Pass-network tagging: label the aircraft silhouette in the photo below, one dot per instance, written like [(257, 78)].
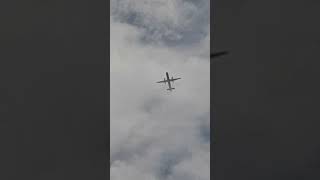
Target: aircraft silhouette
[(168, 80)]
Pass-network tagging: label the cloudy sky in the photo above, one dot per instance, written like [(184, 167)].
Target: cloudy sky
[(156, 134)]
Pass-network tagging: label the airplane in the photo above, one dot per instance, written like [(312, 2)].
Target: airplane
[(168, 80)]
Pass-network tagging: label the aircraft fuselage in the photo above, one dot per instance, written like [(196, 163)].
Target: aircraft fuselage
[(168, 80)]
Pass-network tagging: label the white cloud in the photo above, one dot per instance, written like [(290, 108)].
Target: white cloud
[(157, 134)]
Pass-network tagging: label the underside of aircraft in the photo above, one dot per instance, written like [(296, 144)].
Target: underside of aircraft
[(168, 80)]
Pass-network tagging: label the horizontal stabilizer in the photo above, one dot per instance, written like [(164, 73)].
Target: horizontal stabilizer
[(170, 89)]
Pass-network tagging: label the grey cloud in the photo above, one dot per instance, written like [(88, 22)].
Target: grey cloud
[(152, 104), (174, 22), (168, 160), (204, 128)]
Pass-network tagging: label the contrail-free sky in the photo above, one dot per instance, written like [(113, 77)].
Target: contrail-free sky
[(156, 134)]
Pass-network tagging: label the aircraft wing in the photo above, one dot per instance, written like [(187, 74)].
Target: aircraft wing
[(164, 81), (174, 79)]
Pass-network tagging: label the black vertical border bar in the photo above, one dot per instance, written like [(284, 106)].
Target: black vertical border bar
[(46, 52), (107, 87)]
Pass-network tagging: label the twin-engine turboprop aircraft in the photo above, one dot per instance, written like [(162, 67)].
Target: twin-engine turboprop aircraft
[(168, 80)]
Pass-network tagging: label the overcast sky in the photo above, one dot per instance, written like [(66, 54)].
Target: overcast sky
[(156, 134)]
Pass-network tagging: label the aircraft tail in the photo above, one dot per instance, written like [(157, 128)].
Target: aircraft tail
[(170, 89)]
